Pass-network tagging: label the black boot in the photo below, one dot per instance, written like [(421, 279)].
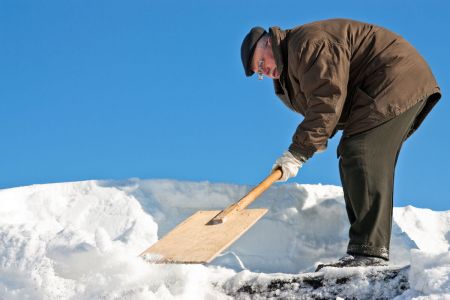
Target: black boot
[(355, 261)]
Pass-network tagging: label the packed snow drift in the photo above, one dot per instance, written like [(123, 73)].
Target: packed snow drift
[(81, 240)]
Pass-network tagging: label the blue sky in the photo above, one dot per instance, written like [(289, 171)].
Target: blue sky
[(155, 89)]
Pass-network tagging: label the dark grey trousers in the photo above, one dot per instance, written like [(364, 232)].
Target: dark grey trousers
[(367, 166)]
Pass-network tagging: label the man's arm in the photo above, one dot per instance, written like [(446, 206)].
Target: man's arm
[(323, 76)]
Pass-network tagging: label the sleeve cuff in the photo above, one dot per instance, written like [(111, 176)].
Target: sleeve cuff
[(298, 155)]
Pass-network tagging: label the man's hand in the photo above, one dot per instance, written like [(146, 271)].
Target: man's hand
[(288, 164)]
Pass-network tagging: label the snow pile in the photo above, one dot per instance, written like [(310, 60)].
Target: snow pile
[(81, 240), (430, 230)]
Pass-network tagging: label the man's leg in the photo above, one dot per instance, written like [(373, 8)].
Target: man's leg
[(367, 166)]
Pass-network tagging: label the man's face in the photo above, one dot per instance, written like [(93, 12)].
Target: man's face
[(263, 61)]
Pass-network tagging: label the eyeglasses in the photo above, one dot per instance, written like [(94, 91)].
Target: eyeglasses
[(260, 69), (261, 62)]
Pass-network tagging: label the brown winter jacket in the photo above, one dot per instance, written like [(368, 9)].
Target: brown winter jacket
[(347, 75)]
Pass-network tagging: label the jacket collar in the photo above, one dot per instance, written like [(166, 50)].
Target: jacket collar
[(278, 46)]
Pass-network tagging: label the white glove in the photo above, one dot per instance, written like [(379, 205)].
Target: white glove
[(288, 164)]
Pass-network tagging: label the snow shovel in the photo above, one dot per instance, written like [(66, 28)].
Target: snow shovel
[(205, 234)]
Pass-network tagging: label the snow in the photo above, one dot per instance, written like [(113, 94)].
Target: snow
[(81, 240)]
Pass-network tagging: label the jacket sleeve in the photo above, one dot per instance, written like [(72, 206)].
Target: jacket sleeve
[(323, 71)]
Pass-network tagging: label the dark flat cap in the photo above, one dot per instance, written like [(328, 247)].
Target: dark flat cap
[(248, 47)]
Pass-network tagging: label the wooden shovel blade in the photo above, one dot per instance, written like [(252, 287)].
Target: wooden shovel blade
[(194, 241)]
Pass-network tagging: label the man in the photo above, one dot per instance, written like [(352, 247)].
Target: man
[(362, 79)]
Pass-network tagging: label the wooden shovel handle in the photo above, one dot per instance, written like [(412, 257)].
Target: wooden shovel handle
[(249, 198)]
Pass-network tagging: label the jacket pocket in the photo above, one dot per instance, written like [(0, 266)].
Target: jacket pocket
[(362, 105)]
